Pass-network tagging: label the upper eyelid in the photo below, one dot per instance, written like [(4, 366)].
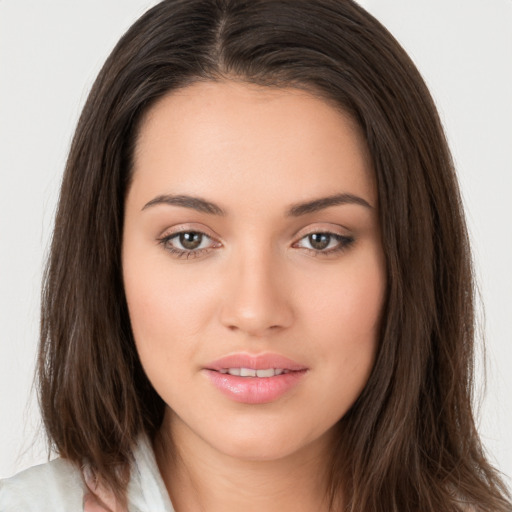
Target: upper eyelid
[(333, 229), (337, 236), (175, 234), (187, 228), (327, 228)]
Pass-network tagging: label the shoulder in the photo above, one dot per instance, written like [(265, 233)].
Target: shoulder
[(52, 487)]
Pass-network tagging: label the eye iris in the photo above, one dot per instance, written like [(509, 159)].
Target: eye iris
[(191, 240), (319, 241)]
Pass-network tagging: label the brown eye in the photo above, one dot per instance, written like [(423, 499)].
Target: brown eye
[(325, 243), (319, 241), (189, 243), (190, 240)]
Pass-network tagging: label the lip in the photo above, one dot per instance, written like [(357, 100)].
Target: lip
[(255, 390), (255, 362)]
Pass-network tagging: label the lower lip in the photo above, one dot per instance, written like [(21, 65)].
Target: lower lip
[(255, 390)]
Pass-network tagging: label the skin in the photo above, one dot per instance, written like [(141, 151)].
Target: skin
[(257, 285)]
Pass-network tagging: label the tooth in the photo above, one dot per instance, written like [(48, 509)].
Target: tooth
[(247, 372), (265, 373)]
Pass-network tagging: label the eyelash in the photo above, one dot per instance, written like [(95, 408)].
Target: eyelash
[(184, 253), (344, 243)]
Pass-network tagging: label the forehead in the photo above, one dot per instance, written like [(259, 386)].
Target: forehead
[(230, 138)]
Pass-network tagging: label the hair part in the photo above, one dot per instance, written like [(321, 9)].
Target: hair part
[(409, 442)]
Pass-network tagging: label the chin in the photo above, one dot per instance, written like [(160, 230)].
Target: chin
[(264, 442)]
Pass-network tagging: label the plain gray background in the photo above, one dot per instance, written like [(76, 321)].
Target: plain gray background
[(50, 53)]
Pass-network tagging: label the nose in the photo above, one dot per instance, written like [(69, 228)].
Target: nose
[(256, 301)]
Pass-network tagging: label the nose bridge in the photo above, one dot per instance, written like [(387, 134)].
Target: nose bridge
[(256, 300)]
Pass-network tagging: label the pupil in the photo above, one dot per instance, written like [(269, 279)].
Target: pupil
[(319, 241), (191, 240)]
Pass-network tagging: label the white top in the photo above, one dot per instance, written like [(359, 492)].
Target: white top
[(58, 486)]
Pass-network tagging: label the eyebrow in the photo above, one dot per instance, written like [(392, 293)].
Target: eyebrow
[(194, 203), (296, 210), (299, 209)]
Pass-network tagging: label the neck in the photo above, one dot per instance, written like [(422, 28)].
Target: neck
[(199, 478)]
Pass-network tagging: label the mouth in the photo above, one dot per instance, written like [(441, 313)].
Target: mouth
[(258, 365), (251, 372), (255, 379)]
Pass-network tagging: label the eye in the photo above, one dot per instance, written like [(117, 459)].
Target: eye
[(188, 243), (323, 242), (190, 240)]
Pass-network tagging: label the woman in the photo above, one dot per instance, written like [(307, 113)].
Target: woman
[(259, 292)]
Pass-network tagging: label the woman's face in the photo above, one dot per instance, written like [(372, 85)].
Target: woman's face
[(253, 266)]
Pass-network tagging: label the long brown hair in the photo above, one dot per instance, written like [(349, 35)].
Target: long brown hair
[(409, 442)]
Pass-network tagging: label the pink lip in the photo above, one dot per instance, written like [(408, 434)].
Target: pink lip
[(255, 390), (255, 362)]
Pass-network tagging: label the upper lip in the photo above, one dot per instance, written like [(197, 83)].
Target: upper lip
[(255, 362)]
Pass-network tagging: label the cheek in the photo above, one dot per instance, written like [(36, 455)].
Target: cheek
[(167, 302), (346, 304), (342, 316), (167, 313)]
